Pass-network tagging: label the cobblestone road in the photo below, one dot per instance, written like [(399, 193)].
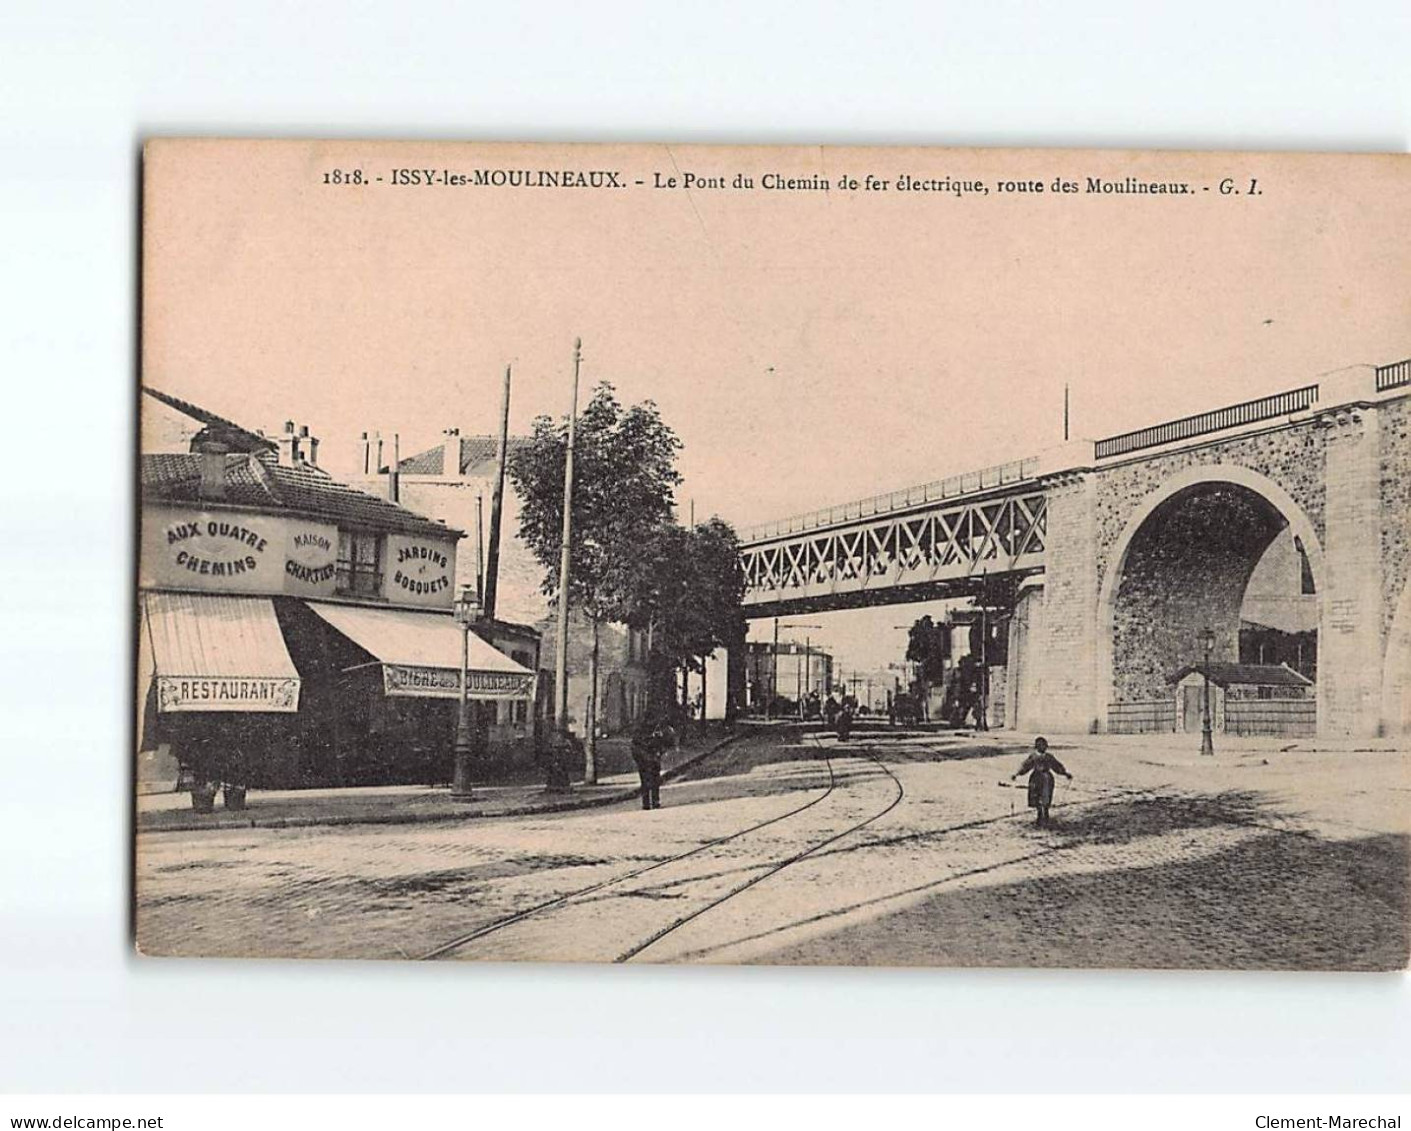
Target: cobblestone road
[(1156, 858)]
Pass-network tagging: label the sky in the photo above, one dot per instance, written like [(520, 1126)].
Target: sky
[(808, 347)]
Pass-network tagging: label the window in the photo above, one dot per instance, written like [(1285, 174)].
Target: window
[(359, 563)]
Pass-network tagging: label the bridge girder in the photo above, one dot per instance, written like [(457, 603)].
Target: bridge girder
[(918, 555)]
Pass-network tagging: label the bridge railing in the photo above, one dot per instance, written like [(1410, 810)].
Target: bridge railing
[(1393, 376), (1232, 416), (999, 475), (1271, 407)]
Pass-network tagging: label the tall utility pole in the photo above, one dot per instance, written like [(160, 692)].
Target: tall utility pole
[(798, 669), (492, 565), (773, 673), (561, 661), (982, 718)]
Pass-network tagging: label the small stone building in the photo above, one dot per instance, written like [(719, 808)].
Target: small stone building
[(1246, 699)]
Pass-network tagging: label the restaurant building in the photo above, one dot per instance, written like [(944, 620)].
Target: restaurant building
[(294, 630)]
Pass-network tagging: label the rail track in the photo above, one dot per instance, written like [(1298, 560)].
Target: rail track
[(491, 928), (777, 867), (760, 872), (828, 788)]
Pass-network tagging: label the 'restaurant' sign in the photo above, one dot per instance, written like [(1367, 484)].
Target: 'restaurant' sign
[(419, 571), (227, 693), (237, 552), (445, 683)]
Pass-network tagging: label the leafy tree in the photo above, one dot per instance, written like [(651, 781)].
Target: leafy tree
[(624, 478), (721, 592), (684, 588), (927, 644)]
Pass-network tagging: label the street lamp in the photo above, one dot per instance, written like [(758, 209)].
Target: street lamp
[(1207, 746), (467, 614)]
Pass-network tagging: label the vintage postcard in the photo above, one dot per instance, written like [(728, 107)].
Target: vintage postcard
[(834, 556)]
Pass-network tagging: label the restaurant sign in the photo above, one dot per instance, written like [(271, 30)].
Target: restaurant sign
[(445, 683), (227, 693)]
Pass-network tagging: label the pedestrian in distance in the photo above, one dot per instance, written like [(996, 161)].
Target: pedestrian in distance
[(649, 741), (845, 713), (1041, 766)]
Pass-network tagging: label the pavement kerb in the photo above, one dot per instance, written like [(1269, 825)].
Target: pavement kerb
[(227, 824)]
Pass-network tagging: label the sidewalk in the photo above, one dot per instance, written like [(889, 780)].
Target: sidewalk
[(403, 804)]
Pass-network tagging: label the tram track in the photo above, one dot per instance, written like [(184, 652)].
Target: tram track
[(761, 871), (773, 869), (497, 925)]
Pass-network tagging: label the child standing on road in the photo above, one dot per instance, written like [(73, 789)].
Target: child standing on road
[(1041, 766)]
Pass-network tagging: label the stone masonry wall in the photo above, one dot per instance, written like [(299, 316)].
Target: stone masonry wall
[(1187, 570), (1064, 656), (1350, 631), (1396, 505), (1292, 458)]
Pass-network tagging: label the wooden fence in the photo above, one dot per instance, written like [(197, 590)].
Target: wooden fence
[(1150, 716), (1279, 718)]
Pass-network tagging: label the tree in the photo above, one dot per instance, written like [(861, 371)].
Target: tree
[(720, 593), (624, 477), (684, 589), (927, 644)]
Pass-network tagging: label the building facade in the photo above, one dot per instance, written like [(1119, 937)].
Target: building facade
[(294, 630), (789, 671)]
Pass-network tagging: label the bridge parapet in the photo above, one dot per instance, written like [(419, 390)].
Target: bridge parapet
[(940, 538), (891, 502)]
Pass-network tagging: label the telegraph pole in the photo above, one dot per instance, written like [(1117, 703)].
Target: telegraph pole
[(558, 772), (982, 720), (497, 497), (773, 673)]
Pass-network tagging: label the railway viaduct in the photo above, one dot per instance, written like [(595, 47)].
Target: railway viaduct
[(1119, 553)]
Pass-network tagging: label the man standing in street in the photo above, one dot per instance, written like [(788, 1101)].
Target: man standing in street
[(649, 740)]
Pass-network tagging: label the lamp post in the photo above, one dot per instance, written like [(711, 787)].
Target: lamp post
[(1207, 746), (467, 613)]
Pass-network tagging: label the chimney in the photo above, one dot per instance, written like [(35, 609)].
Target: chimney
[(451, 452), (212, 453), (288, 443), (296, 446), (394, 472), (366, 454), (310, 446)]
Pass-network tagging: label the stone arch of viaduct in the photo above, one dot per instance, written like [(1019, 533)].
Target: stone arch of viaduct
[(1144, 551)]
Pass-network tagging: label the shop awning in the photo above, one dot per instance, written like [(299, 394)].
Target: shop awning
[(420, 653), (216, 653)]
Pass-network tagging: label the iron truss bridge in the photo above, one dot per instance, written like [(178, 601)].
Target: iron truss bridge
[(917, 551)]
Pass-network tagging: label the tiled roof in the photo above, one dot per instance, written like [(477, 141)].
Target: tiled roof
[(478, 454), (1267, 675), (272, 487), (232, 433)]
